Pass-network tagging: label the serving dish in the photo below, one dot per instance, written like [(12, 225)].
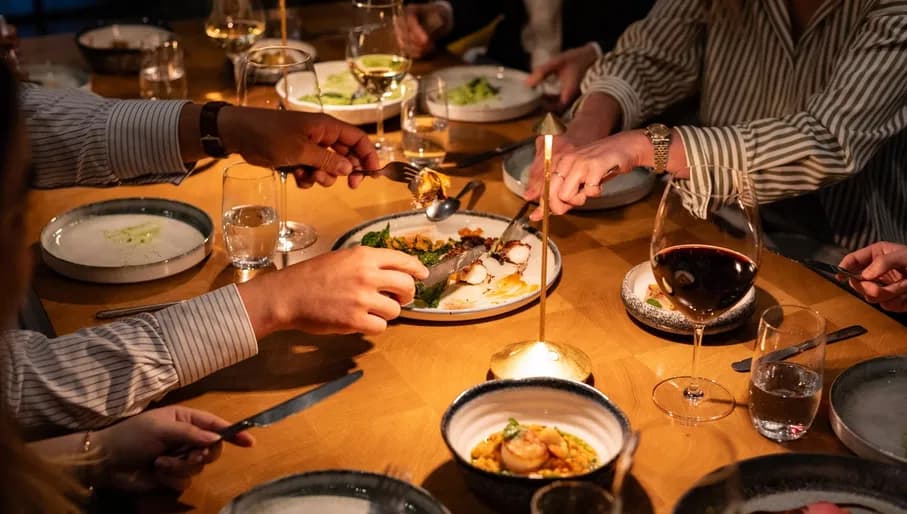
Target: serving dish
[(868, 408), (467, 302), (514, 98), (116, 47), (573, 407), (57, 76), (633, 294), (331, 491), (127, 240), (621, 190)]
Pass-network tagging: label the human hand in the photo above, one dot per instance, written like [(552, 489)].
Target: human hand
[(881, 262), (135, 450), (356, 290), (426, 24), (569, 67)]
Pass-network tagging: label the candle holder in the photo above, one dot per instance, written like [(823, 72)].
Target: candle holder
[(540, 357)]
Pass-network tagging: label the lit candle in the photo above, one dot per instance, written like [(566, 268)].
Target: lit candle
[(543, 295)]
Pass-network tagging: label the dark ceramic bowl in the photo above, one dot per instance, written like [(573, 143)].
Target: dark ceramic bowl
[(570, 406), (116, 47)]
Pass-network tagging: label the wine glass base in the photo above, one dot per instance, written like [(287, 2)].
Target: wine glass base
[(297, 236), (715, 402), (541, 359)]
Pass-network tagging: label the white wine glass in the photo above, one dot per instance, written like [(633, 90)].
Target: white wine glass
[(268, 76), (376, 52), (235, 25), (705, 252)]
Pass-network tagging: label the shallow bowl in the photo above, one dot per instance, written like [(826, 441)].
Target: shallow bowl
[(97, 45)]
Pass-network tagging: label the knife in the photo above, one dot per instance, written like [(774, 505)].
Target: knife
[(837, 270), (779, 355), (439, 272), (472, 160), (512, 228)]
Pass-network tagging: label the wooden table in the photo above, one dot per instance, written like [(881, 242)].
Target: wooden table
[(414, 370)]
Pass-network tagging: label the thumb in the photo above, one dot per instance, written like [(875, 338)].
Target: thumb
[(545, 69), (879, 266)]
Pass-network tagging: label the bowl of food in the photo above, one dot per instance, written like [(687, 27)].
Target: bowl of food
[(341, 95), (511, 437), (117, 47)]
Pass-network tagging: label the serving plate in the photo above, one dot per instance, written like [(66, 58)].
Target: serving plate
[(332, 491), (127, 240), (786, 481), (513, 100), (468, 302), (633, 293), (868, 408), (621, 190)]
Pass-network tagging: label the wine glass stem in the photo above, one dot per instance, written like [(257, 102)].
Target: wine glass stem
[(694, 390), (379, 132), (282, 204)]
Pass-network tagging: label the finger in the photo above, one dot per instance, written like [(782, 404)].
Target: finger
[(324, 159), (536, 171), (417, 34), (399, 285), (371, 325), (857, 260), (578, 200), (898, 304), (341, 149), (180, 468), (883, 264), (324, 178), (399, 261), (304, 180), (355, 179), (536, 214), (542, 71), (885, 293), (384, 307)]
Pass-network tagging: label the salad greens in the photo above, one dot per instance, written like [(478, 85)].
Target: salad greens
[(342, 89), (476, 90)]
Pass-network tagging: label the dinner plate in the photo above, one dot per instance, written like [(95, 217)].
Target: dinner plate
[(781, 482), (334, 492), (868, 408), (127, 240), (623, 189), (514, 98), (464, 302), (57, 76), (633, 293)]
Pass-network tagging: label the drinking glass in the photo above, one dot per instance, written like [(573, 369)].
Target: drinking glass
[(162, 74), (235, 25), (250, 215), (705, 253), (376, 52), (785, 393), (265, 81), (423, 116), (572, 497)]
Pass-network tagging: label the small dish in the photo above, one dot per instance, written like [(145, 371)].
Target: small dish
[(57, 76), (570, 406), (633, 293), (334, 491), (622, 190), (127, 240), (116, 47), (868, 408), (514, 98)]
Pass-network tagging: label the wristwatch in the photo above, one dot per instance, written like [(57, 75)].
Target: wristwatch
[(207, 124), (660, 136)]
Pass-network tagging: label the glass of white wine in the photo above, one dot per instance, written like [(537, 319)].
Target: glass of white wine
[(268, 76), (235, 25), (376, 52)]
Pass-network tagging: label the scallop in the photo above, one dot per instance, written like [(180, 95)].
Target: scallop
[(516, 252), (475, 273)]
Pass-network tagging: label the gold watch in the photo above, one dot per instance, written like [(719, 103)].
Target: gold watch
[(660, 136)]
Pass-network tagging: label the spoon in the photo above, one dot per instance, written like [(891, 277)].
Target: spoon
[(443, 209), (622, 468)]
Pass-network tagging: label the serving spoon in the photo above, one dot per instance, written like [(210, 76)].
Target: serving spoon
[(443, 209)]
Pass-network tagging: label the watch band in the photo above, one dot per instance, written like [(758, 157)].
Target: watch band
[(660, 136), (210, 137)]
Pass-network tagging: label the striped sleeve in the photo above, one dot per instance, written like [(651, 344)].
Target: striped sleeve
[(97, 375), (79, 138)]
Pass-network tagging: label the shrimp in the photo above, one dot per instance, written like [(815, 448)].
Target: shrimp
[(555, 442), (524, 452)]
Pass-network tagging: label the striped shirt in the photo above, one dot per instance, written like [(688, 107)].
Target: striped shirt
[(825, 114), (97, 375)]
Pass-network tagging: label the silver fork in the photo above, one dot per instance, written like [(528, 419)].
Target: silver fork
[(390, 493), (395, 170)]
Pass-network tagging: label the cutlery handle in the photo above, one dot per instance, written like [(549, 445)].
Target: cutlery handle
[(742, 366), (129, 311)]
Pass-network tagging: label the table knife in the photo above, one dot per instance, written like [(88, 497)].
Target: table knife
[(836, 270), (784, 353), (472, 160), (512, 228), (439, 272)]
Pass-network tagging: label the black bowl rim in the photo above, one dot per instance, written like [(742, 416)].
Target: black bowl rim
[(119, 21), (556, 383)]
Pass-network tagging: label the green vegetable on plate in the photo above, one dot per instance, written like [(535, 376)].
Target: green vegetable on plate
[(476, 90)]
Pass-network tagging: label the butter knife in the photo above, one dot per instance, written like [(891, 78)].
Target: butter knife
[(439, 272), (511, 229), (784, 353)]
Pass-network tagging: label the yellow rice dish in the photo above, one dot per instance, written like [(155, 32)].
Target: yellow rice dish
[(534, 451)]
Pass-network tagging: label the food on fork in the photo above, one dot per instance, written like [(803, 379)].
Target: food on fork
[(430, 186)]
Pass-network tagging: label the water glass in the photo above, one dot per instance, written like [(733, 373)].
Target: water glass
[(573, 497), (250, 215), (162, 74), (786, 378), (423, 115)]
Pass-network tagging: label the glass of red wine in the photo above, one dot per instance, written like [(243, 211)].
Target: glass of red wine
[(705, 251)]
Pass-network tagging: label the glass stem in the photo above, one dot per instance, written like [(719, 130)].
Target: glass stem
[(694, 390), (379, 131), (282, 205)]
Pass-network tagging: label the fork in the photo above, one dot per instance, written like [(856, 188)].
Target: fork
[(390, 492), (395, 170)]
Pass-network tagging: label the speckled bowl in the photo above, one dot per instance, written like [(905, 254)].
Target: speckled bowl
[(633, 294), (573, 407)]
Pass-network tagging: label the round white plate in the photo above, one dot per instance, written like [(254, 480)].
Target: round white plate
[(102, 38), (468, 302), (57, 76), (633, 294), (329, 72), (127, 240), (512, 101), (621, 190)]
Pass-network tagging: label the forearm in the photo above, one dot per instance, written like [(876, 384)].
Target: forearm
[(597, 115), (60, 448)]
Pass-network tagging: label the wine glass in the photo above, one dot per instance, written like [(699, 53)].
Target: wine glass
[(704, 254), (269, 75), (376, 52), (235, 25)]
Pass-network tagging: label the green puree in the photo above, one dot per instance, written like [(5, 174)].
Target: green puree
[(339, 89), (135, 235), (476, 90)]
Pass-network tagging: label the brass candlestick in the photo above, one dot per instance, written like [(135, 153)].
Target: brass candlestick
[(541, 357)]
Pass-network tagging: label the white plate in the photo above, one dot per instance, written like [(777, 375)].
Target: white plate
[(128, 240), (57, 76), (360, 114), (633, 294), (513, 100), (622, 190), (467, 302), (102, 38)]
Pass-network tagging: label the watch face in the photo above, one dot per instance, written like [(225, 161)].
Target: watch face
[(658, 130)]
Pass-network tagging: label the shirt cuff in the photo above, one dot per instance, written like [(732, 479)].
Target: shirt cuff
[(208, 333), (622, 92), (721, 146), (144, 140)]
